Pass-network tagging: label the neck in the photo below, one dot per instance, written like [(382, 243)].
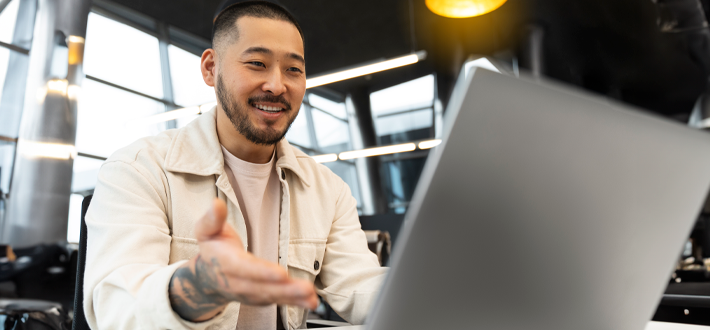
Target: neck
[(238, 145)]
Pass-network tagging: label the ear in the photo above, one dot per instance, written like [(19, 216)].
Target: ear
[(208, 66)]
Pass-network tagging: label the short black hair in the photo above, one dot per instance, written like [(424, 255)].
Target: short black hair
[(224, 24)]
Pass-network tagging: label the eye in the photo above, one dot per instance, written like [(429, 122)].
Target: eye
[(295, 69), (256, 63)]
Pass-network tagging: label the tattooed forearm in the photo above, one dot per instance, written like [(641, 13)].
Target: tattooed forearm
[(194, 290)]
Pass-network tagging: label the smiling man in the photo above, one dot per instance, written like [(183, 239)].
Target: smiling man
[(222, 224)]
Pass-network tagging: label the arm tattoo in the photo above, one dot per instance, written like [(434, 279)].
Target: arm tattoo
[(194, 290)]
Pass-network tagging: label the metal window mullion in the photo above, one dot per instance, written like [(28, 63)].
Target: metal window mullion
[(330, 114), (3, 5), (324, 111), (13, 92), (163, 42), (107, 83), (14, 48), (126, 17), (81, 154), (403, 112)]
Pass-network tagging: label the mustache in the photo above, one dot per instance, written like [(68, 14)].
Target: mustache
[(270, 99)]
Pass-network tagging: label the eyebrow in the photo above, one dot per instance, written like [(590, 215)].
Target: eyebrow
[(266, 51)]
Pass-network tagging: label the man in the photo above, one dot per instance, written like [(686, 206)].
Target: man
[(155, 260)]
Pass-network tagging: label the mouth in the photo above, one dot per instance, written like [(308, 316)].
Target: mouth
[(269, 108)]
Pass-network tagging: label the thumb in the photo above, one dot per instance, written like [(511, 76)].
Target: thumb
[(212, 223)]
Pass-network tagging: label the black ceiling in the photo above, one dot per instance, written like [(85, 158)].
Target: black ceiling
[(612, 47)]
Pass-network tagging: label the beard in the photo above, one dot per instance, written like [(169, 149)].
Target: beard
[(238, 114)]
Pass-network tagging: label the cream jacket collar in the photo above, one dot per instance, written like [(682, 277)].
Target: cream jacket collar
[(197, 150)]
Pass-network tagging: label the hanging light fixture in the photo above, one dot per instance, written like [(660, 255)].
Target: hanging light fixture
[(463, 8)]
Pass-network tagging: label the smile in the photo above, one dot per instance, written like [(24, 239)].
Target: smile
[(268, 109)]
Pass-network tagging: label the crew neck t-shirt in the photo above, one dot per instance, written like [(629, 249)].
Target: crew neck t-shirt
[(258, 192)]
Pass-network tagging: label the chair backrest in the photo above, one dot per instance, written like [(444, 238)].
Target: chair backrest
[(79, 318)]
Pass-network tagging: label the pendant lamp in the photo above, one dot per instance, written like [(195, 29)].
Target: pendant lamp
[(463, 8)]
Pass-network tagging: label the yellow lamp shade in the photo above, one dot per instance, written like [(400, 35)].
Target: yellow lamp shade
[(463, 8)]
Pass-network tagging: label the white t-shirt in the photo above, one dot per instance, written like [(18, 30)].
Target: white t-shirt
[(259, 195)]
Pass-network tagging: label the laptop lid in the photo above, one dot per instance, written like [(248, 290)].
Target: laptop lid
[(544, 208)]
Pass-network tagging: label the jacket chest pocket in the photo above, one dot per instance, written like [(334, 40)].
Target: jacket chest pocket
[(305, 261), (305, 257)]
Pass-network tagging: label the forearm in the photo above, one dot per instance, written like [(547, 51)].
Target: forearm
[(191, 291)]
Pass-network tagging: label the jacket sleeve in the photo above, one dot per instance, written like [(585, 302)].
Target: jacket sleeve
[(127, 272), (351, 275)]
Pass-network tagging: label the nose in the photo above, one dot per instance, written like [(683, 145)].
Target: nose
[(274, 83)]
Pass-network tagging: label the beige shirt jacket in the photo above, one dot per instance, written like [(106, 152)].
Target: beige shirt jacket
[(141, 225)]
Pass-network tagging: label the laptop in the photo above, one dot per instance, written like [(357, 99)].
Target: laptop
[(547, 208)]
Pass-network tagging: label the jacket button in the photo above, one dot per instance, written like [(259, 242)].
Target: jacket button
[(316, 265), (283, 174)]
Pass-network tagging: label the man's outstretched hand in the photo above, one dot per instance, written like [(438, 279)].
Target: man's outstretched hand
[(223, 272)]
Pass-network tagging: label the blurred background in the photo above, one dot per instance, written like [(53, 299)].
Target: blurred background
[(80, 79)]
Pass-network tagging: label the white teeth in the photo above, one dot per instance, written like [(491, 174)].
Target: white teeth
[(267, 108)]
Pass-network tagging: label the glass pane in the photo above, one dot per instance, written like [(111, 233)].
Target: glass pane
[(330, 132), (418, 93), (188, 87), (398, 202), (4, 58), (122, 55), (298, 133), (74, 225), (400, 178), (347, 172), (8, 18), (109, 118), (86, 173), (334, 108), (7, 157), (404, 122)]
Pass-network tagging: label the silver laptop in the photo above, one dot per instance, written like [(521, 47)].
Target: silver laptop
[(544, 208)]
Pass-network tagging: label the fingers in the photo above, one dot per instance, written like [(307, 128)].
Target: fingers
[(241, 275), (248, 267), (294, 292), (213, 222)]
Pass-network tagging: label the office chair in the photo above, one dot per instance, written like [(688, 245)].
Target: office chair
[(79, 322)]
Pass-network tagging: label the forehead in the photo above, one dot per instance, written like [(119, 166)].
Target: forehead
[(277, 35)]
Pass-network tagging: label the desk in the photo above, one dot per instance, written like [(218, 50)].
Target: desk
[(649, 326)]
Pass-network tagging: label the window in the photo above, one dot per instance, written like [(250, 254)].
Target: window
[(188, 87), (404, 112), (334, 108), (332, 133), (299, 134), (10, 70), (322, 127), (8, 18), (7, 153), (74, 225), (401, 178), (403, 122), (105, 126), (122, 55), (347, 172), (330, 122), (86, 173), (4, 62)]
